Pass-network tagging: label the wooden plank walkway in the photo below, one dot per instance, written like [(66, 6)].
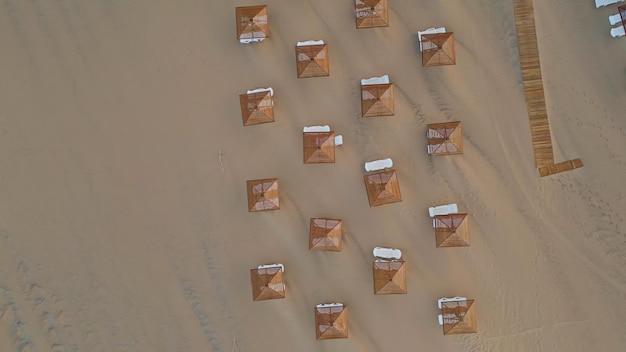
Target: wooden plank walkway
[(533, 90)]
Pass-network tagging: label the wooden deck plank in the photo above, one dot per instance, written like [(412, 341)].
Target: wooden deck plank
[(534, 93)]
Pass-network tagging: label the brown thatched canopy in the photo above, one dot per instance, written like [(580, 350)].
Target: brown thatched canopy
[(452, 230), (267, 283), (325, 235), (459, 317), (319, 147), (331, 322), (445, 138), (257, 108), (438, 49), (382, 187), (377, 99), (312, 60), (389, 277), (252, 22), (371, 13), (263, 194), (622, 13)]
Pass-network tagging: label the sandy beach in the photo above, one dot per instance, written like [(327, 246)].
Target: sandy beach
[(123, 165)]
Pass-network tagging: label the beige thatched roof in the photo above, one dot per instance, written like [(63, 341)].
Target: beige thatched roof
[(312, 61), (267, 283), (252, 22), (325, 235), (263, 194), (452, 230), (319, 147), (438, 49), (257, 108), (371, 13), (377, 99), (459, 317), (382, 187), (389, 277), (331, 322), (445, 138)]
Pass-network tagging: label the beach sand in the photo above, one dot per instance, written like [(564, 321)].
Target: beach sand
[(121, 231)]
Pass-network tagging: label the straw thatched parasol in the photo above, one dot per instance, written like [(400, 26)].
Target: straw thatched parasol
[(267, 283), (622, 14), (312, 60), (257, 107), (331, 321), (438, 49), (263, 194), (371, 13), (325, 235), (445, 138), (389, 277), (377, 99), (319, 147), (382, 187), (452, 230), (459, 317), (252, 22)]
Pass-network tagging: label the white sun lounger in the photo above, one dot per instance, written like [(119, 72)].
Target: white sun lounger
[(324, 305), (252, 40), (310, 42), (452, 299), (338, 140), (440, 317), (387, 253), (375, 80), (618, 31), (378, 164), (324, 128), (429, 31), (259, 90), (615, 19), (267, 266), (600, 3), (443, 210)]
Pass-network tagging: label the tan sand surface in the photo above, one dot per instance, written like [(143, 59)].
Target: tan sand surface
[(120, 231)]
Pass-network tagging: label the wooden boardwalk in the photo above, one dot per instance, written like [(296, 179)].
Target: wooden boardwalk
[(533, 90)]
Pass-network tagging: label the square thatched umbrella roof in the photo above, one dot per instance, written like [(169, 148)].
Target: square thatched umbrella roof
[(377, 100), (371, 13), (312, 60), (252, 22), (389, 277), (263, 194), (445, 138), (267, 283), (438, 49), (325, 235), (459, 317), (622, 14), (319, 147), (331, 321), (257, 107), (382, 187), (452, 230)]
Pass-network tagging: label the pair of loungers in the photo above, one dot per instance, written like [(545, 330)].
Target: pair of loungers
[(325, 128)]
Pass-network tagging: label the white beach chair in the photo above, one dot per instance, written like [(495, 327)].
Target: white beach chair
[(378, 164), (615, 19), (267, 266), (324, 128), (618, 31), (443, 210), (310, 42), (324, 305), (387, 253), (452, 299), (600, 3), (375, 80), (429, 31), (338, 140), (259, 90), (440, 317), (251, 40)]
